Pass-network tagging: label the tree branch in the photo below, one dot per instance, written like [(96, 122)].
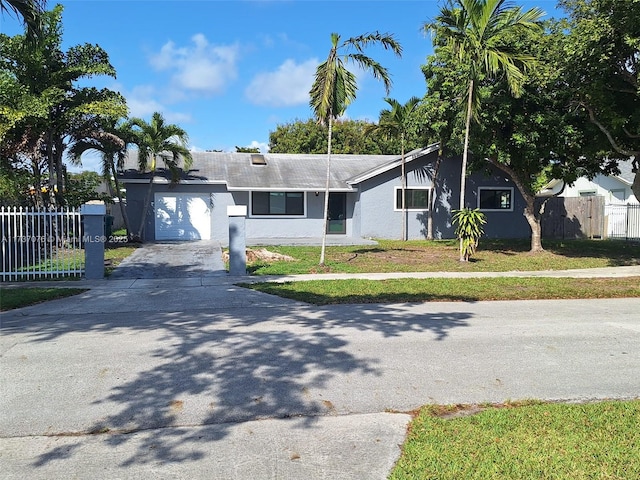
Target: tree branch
[(629, 134), (603, 129)]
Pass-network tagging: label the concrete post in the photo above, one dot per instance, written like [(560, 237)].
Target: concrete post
[(93, 214), (237, 239)]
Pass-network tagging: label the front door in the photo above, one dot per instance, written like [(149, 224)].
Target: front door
[(337, 220)]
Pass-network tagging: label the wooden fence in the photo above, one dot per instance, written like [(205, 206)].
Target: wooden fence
[(579, 217)]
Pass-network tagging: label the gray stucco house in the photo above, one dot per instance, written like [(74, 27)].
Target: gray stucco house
[(284, 195)]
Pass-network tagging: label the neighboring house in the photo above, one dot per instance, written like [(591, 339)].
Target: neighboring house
[(616, 189), (621, 214), (284, 197)]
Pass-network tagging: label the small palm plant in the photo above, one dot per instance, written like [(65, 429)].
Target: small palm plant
[(469, 229)]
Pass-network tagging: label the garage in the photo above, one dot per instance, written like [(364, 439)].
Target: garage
[(182, 216)]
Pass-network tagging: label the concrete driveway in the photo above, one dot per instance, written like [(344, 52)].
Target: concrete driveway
[(180, 379), (201, 258)]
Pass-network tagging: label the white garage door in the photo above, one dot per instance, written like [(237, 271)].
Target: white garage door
[(182, 216)]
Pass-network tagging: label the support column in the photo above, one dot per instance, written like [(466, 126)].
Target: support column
[(237, 239), (93, 215)]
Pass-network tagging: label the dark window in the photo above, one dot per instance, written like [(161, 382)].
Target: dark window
[(277, 203), (415, 198), (495, 199)]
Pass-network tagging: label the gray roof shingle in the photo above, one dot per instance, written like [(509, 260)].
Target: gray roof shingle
[(282, 171)]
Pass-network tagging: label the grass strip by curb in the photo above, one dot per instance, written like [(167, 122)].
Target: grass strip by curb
[(11, 298), (326, 292), (543, 440)]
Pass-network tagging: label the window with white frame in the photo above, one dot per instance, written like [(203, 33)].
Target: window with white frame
[(495, 199), (277, 203), (415, 198)]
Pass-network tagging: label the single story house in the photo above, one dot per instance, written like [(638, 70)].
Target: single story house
[(284, 195), (616, 189)]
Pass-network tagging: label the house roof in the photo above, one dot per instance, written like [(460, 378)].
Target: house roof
[(626, 171), (626, 176), (280, 171)]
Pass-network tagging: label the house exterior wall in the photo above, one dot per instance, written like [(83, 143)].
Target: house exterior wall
[(378, 217), (309, 225), (220, 198), (500, 224), (370, 210)]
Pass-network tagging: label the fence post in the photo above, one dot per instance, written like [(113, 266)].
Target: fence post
[(93, 214), (237, 239)]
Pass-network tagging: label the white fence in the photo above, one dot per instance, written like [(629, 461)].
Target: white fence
[(623, 221), (40, 244)]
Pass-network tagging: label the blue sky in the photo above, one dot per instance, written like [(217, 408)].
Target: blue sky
[(229, 72)]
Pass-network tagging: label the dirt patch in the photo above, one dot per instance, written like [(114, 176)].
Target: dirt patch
[(261, 254)]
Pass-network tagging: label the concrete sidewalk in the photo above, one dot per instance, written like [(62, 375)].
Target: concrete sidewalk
[(220, 278)]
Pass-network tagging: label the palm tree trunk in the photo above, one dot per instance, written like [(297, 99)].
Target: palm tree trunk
[(403, 183), (465, 155), (433, 196), (326, 193), (465, 152), (123, 210), (51, 164), (145, 208)]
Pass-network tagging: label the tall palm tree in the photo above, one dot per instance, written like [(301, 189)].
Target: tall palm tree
[(159, 140), (475, 31), (31, 13), (395, 123), (335, 87), (111, 140)]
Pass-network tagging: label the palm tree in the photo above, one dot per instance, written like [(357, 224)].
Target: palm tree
[(110, 140), (335, 87), (159, 140), (475, 32), (31, 13), (395, 123)]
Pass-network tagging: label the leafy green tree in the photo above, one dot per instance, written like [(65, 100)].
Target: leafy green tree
[(348, 137), (530, 138), (31, 13), (157, 140), (396, 122), (599, 61), (83, 187), (247, 149), (335, 87), (110, 138), (44, 105), (473, 33)]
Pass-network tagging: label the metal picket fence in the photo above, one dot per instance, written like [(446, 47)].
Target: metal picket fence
[(623, 221), (41, 243)]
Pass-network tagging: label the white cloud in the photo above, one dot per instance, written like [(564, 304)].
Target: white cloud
[(199, 67), (264, 147), (289, 85)]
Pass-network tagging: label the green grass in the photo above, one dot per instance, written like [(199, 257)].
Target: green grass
[(11, 298), (324, 292), (435, 256), (116, 253), (529, 441)]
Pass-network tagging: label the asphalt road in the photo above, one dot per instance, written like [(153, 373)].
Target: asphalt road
[(180, 380)]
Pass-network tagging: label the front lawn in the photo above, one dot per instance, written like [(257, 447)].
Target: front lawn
[(442, 256), (521, 442)]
